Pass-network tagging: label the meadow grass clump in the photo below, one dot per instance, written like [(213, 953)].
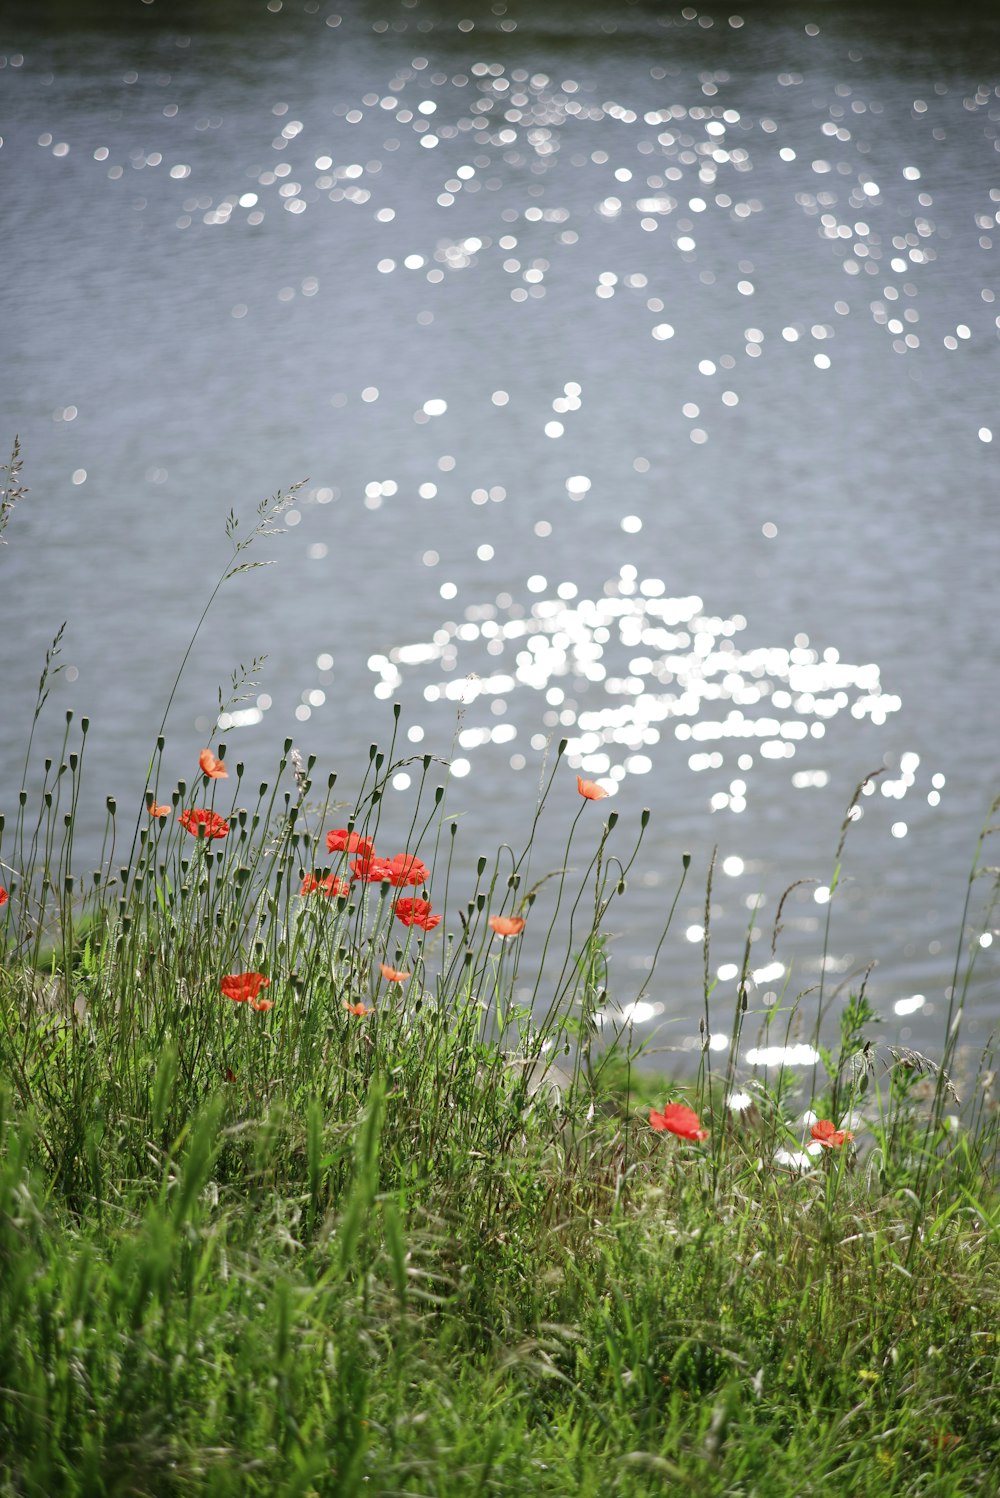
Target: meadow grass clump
[(300, 1194)]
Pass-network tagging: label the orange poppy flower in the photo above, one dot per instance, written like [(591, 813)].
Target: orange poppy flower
[(158, 811), (4, 896), (212, 767), (590, 790), (359, 1010), (828, 1136), (392, 974), (416, 913), (243, 988), (342, 841), (405, 868), (330, 886), (201, 822), (262, 1005), (507, 925), (372, 870), (677, 1118)]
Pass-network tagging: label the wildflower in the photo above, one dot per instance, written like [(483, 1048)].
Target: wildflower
[(262, 1005), (243, 988), (507, 925), (416, 913), (201, 822), (392, 974), (4, 896), (677, 1118), (342, 841), (230, 1074), (359, 1010), (828, 1136), (212, 767), (944, 1440), (372, 870), (158, 811), (330, 886), (407, 869), (590, 790)]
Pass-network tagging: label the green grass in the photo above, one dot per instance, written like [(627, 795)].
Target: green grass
[(300, 1250)]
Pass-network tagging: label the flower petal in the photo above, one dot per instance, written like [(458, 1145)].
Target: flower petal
[(590, 790), (507, 925), (212, 767)]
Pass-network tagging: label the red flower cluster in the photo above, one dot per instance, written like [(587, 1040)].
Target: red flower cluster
[(405, 868), (677, 1118), (201, 822), (828, 1136), (401, 870), (398, 871), (342, 841), (330, 886), (416, 913), (243, 988), (371, 870)]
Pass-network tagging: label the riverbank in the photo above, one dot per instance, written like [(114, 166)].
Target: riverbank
[(290, 1203)]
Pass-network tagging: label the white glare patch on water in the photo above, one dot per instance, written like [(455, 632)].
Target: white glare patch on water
[(638, 1013), (910, 1005), (633, 666), (782, 1055)]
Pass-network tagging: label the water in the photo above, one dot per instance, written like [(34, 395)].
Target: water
[(638, 361)]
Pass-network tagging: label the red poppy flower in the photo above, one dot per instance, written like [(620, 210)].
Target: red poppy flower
[(828, 1136), (416, 913), (262, 1005), (371, 869), (330, 886), (230, 1074), (677, 1118), (212, 767), (342, 841), (158, 811), (201, 822), (507, 925), (590, 790), (392, 974), (243, 988), (359, 1010), (407, 869), (4, 896)]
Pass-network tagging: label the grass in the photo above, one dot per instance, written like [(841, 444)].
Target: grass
[(361, 1242)]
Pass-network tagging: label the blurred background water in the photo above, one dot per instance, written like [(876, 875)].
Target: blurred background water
[(641, 362)]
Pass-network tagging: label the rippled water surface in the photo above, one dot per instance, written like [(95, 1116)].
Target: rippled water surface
[(641, 363)]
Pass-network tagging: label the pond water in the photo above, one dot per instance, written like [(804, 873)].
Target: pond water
[(641, 366)]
